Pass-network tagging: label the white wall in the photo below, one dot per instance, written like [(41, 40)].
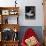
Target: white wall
[(38, 21)]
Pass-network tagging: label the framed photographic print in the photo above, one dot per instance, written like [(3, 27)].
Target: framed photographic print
[(30, 12), (5, 12), (13, 12)]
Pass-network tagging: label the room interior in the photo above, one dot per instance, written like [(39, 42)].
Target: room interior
[(17, 16)]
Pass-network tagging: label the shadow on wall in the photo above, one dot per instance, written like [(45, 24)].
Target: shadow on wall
[(37, 29)]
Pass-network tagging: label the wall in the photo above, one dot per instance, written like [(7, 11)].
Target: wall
[(39, 13), (38, 21)]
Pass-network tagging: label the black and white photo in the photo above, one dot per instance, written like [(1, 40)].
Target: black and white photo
[(30, 12)]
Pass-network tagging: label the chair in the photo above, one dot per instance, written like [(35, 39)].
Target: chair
[(28, 34)]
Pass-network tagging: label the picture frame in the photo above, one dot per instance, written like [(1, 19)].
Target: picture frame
[(13, 12), (5, 12), (30, 12)]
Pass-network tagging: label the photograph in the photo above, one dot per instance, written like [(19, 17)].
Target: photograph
[(30, 12)]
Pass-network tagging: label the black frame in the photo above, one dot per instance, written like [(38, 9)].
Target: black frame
[(31, 10)]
